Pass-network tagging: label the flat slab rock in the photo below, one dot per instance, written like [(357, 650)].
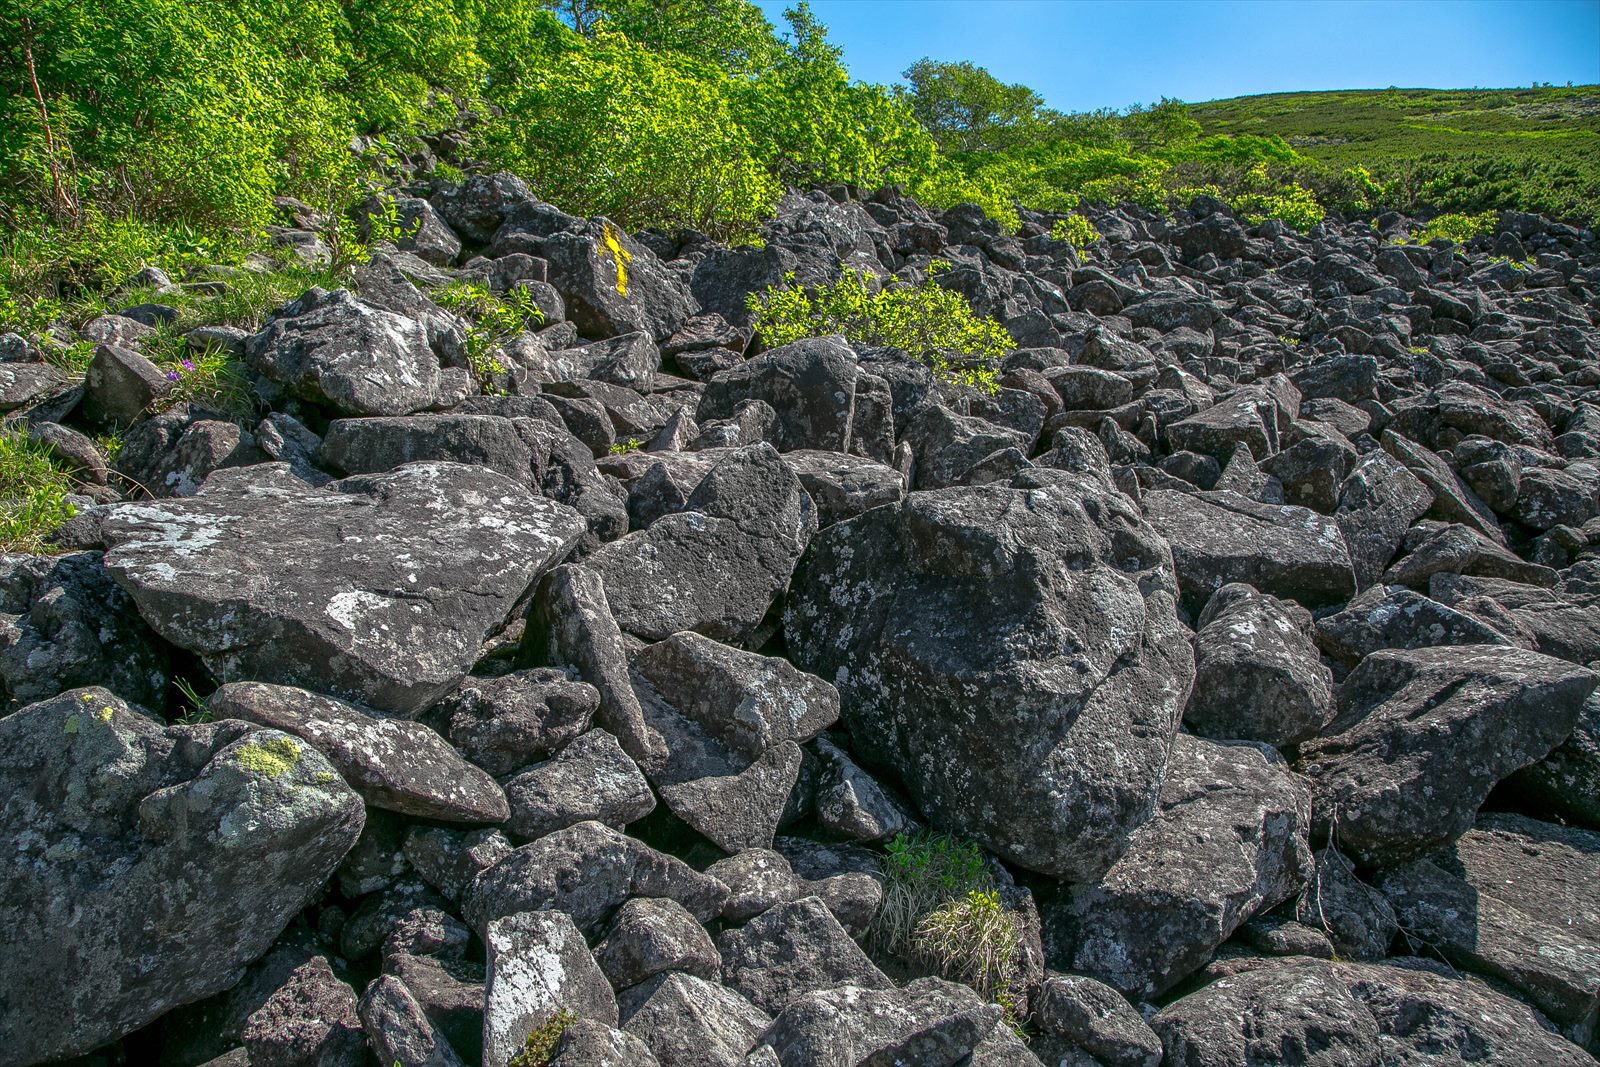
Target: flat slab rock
[(1308, 1011), (379, 589), (395, 764), (1422, 735), (143, 866)]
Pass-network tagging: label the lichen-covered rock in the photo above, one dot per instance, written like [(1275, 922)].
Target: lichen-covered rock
[(538, 967), (717, 566), (587, 871), (379, 590), (811, 384), (1230, 840), (1221, 537), (928, 1021), (394, 764), (1011, 655), (793, 949), (399, 1031), (613, 285), (1257, 675), (1360, 1015), (1422, 735), (312, 1018), (358, 358), (1081, 1013), (507, 722), (1513, 898), (648, 936), (145, 866), (690, 1022), (592, 778)]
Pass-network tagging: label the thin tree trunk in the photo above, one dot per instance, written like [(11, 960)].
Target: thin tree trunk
[(64, 205)]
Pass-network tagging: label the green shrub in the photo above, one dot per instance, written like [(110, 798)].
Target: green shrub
[(935, 326), (491, 321), (541, 1042), (33, 493), (923, 872), (1076, 230), (1456, 227)]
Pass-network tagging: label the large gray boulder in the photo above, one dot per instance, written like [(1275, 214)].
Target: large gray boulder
[(358, 358), (144, 866), (1357, 1015), (1422, 735), (1011, 655), (538, 966), (1230, 840), (1221, 537), (717, 566), (379, 590)]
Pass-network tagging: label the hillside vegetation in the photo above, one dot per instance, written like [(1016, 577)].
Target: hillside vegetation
[(163, 132), (1535, 149)]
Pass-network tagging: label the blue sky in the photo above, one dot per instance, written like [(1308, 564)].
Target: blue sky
[(1086, 54)]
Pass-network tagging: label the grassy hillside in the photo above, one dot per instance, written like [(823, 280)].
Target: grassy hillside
[(1535, 148)]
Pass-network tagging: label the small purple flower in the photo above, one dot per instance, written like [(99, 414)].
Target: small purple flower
[(188, 365), (172, 376)]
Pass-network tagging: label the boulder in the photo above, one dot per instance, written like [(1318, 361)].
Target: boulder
[(1229, 840), (355, 357), (380, 589), (145, 866), (1258, 676), (538, 966), (793, 949), (810, 383), (1011, 655), (1422, 735), (394, 764), (592, 778)]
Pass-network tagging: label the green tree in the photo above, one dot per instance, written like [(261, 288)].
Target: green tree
[(967, 109)]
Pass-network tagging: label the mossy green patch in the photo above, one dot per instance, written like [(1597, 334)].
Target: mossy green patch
[(270, 759)]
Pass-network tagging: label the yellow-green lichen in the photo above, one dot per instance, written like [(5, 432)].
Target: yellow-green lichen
[(270, 759), (72, 724), (621, 256)]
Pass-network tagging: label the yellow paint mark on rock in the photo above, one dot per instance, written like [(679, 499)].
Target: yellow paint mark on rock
[(621, 256)]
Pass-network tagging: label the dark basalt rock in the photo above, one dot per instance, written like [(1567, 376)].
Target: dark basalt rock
[(147, 865), (1011, 654), (398, 577), (1422, 735)]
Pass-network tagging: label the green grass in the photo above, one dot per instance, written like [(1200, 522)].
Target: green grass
[(1467, 150), (33, 492)]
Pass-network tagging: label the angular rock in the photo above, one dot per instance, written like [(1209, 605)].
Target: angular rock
[(689, 1022), (1222, 537), (586, 1043), (1395, 617), (1378, 502), (1257, 675), (23, 383), (929, 1021), (716, 567), (811, 384), (650, 936), (448, 860), (399, 1031), (311, 1018), (843, 486), (120, 386), (748, 702), (146, 866), (379, 591), (760, 878), (507, 722), (1568, 780), (587, 871), (1513, 898), (571, 625), (1363, 1015), (613, 285), (1356, 918), (360, 359), (1230, 840), (592, 778), (793, 949), (394, 764), (1092, 1016), (1011, 655), (1422, 735), (850, 804), (65, 623), (538, 966)]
